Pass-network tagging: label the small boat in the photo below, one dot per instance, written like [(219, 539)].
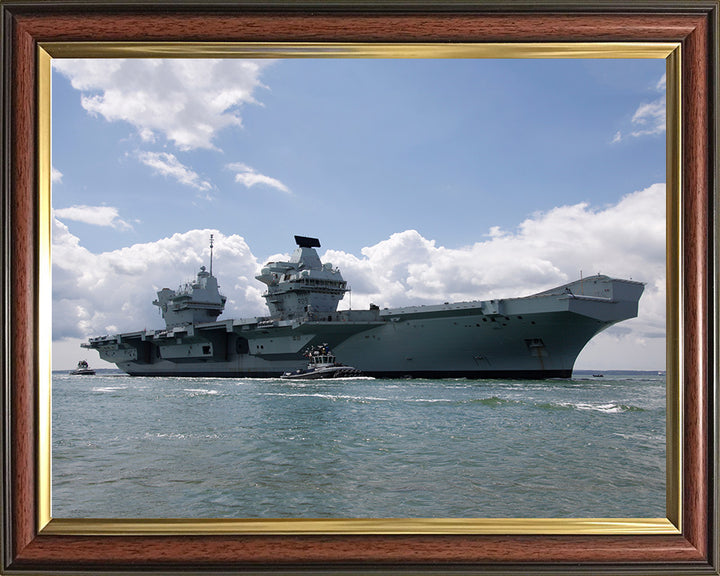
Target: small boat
[(83, 369), (321, 365), (598, 375)]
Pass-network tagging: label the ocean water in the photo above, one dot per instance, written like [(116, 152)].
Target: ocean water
[(135, 447)]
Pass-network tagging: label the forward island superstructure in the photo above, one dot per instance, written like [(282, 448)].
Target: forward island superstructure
[(536, 336)]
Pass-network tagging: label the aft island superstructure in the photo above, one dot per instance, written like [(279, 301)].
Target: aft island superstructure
[(536, 336)]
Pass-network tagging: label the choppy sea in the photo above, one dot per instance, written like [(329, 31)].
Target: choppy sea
[(357, 448)]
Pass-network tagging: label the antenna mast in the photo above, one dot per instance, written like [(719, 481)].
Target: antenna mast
[(211, 250)]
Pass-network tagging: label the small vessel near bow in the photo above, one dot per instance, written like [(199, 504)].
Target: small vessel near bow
[(535, 336), (83, 369), (322, 364)]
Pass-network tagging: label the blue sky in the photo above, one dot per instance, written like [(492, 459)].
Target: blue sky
[(394, 159)]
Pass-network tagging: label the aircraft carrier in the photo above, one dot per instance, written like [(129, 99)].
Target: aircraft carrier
[(536, 336)]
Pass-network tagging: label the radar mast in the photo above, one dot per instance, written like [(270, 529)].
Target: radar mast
[(211, 251)]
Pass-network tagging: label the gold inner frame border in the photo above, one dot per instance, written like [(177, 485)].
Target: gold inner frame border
[(669, 51)]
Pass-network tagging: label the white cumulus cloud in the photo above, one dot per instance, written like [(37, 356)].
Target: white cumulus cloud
[(187, 101), (550, 248), (96, 215), (168, 165), (113, 291), (649, 118), (662, 83), (249, 177), (95, 294)]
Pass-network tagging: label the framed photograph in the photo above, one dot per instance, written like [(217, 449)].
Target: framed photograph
[(66, 45)]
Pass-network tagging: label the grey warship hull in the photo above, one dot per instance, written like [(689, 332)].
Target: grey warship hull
[(538, 336)]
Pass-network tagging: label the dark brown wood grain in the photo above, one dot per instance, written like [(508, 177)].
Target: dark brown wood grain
[(690, 551), (696, 205), (359, 550), (361, 28), (22, 266)]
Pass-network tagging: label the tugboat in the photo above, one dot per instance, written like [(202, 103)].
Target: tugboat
[(83, 369), (321, 365)]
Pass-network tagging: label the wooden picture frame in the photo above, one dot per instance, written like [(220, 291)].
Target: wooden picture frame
[(31, 544)]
